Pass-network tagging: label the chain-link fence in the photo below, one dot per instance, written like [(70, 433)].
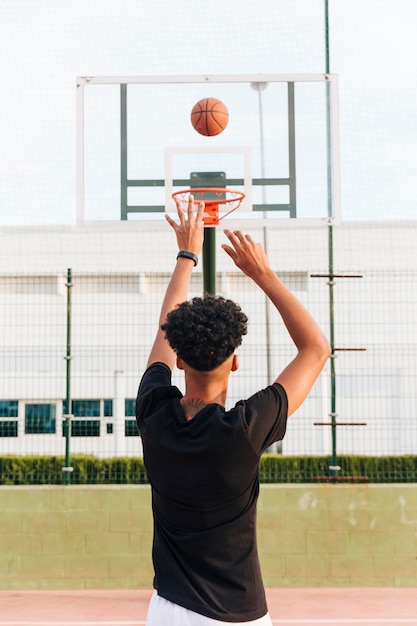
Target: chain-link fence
[(364, 407)]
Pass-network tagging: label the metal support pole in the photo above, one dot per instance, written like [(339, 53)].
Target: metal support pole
[(260, 87), (334, 467), (209, 260), (67, 416), (123, 152)]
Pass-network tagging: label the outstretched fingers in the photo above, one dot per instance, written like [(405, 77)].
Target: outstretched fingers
[(170, 221), (190, 207), (248, 255), (187, 215), (238, 239), (200, 213), (189, 228), (237, 248)]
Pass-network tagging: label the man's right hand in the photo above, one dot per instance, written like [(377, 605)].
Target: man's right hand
[(249, 256), (189, 229)]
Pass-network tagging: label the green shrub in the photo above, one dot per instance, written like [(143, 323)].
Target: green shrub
[(274, 468), (277, 468), (87, 470)]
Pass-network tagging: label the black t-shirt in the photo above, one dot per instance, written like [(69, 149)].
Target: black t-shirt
[(204, 475)]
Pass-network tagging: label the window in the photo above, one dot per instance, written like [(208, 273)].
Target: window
[(8, 409), (86, 417), (85, 428), (130, 408), (40, 419), (86, 408), (131, 429), (8, 428)]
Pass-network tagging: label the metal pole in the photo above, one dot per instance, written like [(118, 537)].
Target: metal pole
[(80, 151), (123, 152), (334, 467), (260, 87), (67, 416), (209, 260)]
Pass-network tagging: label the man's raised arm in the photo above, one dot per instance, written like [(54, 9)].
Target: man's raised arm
[(312, 346), (190, 235)]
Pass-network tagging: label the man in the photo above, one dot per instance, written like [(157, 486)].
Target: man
[(203, 460)]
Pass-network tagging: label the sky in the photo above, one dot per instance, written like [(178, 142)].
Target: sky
[(46, 44)]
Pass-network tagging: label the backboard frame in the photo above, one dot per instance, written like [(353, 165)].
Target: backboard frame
[(333, 170)]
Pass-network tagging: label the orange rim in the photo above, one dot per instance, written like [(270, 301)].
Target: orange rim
[(221, 191), (211, 205)]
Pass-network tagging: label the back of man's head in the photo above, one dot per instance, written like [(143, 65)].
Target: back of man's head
[(205, 331)]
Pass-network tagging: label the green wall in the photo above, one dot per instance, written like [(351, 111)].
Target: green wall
[(309, 535)]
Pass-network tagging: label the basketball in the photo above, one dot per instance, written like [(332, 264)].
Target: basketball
[(209, 116)]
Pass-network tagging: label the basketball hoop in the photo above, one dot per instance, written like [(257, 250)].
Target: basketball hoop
[(212, 197)]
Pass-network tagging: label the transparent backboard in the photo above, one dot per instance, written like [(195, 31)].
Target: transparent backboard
[(136, 145)]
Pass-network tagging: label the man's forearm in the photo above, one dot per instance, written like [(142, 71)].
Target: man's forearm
[(177, 292), (177, 289), (301, 326)]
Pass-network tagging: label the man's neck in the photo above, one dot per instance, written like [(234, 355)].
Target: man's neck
[(192, 406), (197, 398), (203, 388)]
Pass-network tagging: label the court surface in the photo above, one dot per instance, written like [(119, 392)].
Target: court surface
[(288, 607)]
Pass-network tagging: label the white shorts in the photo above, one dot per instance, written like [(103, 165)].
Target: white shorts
[(161, 612)]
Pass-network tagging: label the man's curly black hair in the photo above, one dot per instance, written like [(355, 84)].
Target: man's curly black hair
[(205, 331)]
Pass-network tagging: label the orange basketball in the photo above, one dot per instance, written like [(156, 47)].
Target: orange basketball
[(209, 116)]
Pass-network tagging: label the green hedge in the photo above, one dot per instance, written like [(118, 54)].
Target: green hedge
[(275, 468), (354, 468), (87, 470)]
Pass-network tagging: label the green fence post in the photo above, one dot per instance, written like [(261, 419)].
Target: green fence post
[(67, 416), (334, 467)]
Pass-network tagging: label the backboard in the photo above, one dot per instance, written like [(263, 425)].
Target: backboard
[(136, 145)]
